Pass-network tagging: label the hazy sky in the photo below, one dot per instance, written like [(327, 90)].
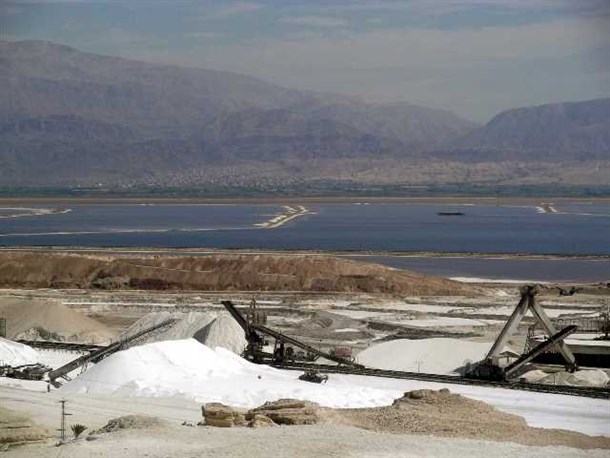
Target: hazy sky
[(475, 57)]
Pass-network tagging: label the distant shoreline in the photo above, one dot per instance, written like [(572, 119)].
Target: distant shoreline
[(203, 251), (477, 200)]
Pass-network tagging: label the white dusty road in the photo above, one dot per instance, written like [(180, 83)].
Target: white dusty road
[(182, 441)]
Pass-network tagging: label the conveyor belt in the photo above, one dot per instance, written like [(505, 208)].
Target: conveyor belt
[(51, 345), (98, 355), (591, 392)]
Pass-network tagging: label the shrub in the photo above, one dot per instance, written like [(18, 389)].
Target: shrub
[(78, 429)]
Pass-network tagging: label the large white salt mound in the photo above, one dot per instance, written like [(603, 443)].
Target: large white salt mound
[(210, 328), (433, 356), (588, 377), (223, 332), (16, 354), (188, 369)]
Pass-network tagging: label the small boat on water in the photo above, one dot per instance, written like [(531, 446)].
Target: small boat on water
[(450, 213)]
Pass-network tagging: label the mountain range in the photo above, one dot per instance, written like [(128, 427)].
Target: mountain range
[(70, 118)]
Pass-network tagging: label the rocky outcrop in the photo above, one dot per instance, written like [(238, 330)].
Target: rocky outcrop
[(260, 421), (281, 412), (288, 412), (130, 422), (222, 416)]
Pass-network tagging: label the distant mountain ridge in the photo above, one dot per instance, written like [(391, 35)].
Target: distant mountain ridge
[(571, 130), (73, 118)]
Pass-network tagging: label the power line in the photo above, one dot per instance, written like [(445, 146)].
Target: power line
[(64, 414)]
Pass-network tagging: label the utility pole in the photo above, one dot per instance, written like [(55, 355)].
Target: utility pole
[(62, 428)]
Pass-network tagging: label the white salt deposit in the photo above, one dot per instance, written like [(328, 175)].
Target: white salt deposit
[(586, 377), (434, 356), (213, 329), (441, 321), (188, 369), (593, 377), (16, 354), (223, 332), (533, 376), (425, 308), (359, 314), (507, 310)]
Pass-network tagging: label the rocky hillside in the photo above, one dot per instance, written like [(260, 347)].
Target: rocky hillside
[(555, 132), (71, 117), (216, 273)]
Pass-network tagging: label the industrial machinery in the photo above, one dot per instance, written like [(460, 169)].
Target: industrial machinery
[(313, 376), (490, 369), (290, 353), (25, 371), (286, 350), (40, 371), (102, 353), (591, 349)]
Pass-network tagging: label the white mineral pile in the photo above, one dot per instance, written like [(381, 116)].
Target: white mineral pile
[(188, 369), (585, 377), (34, 319), (433, 356), (210, 328), (16, 354)]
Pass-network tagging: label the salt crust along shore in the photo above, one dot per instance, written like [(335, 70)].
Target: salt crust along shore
[(22, 212), (290, 213)]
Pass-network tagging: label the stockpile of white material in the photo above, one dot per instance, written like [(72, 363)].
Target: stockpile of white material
[(586, 377), (210, 328), (16, 354), (223, 332), (188, 369), (433, 356), (45, 319)]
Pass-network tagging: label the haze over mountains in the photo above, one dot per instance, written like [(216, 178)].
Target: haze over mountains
[(71, 118)]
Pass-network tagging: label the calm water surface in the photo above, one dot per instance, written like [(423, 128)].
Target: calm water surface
[(577, 229)]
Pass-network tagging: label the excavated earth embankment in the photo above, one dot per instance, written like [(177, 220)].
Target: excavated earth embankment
[(216, 273)]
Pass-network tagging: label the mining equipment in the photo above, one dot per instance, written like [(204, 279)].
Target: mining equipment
[(313, 376), (286, 350), (290, 353), (490, 369), (25, 371), (41, 372), (591, 351)]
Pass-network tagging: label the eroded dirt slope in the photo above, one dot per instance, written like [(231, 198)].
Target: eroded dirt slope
[(216, 273)]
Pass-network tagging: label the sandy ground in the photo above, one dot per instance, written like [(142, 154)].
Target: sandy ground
[(175, 440), (295, 441)]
